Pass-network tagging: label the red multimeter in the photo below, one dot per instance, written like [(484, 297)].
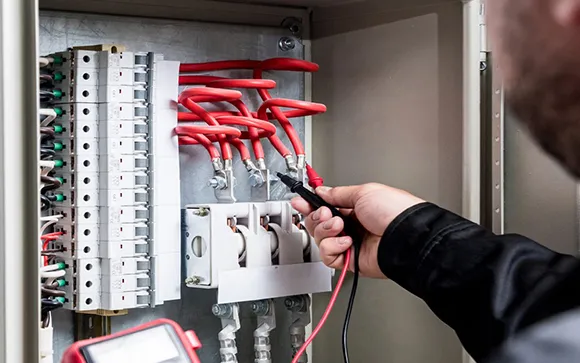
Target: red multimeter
[(161, 341)]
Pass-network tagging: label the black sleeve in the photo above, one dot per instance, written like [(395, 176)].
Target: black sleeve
[(485, 287)]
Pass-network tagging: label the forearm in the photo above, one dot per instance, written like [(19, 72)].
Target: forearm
[(484, 286)]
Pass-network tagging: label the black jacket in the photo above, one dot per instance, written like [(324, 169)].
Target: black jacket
[(494, 291)]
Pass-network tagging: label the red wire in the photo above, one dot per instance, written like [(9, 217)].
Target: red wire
[(218, 66), (197, 80), (275, 64), (190, 117), (201, 140), (328, 310), (253, 133), (284, 64), (274, 103), (46, 239), (192, 96)]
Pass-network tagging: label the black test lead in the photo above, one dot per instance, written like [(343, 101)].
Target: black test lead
[(350, 229)]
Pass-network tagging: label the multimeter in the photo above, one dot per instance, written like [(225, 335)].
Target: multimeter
[(161, 341)]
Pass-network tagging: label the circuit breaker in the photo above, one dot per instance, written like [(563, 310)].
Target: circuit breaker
[(118, 158)]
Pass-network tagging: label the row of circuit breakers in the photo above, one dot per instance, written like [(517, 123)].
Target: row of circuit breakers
[(125, 236)]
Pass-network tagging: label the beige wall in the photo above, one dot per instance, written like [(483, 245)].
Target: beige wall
[(393, 84)]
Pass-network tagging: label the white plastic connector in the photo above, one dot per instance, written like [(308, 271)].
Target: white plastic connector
[(45, 342), (213, 259)]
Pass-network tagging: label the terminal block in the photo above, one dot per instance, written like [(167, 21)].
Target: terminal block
[(251, 252), (119, 162)]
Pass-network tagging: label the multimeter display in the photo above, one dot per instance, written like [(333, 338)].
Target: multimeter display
[(158, 344)]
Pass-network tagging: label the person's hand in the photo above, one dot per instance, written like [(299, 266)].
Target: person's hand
[(374, 206)]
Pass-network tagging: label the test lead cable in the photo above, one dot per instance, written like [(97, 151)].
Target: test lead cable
[(351, 230)]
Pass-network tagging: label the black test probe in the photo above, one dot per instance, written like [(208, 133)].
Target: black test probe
[(350, 229)]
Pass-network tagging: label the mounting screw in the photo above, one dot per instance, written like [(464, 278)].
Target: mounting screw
[(294, 25), (261, 308), (296, 303), (286, 44), (201, 212), (194, 280), (222, 311), (482, 66)]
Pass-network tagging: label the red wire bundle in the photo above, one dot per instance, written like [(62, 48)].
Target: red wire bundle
[(262, 86)]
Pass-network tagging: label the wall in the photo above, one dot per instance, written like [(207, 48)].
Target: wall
[(393, 82)]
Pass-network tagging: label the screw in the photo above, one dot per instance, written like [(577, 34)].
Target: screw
[(217, 183), (295, 303), (256, 179), (222, 311), (286, 44), (293, 24), (261, 308), (201, 212), (187, 257), (482, 66), (194, 280)]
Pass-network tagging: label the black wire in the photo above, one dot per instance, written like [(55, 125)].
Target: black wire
[(47, 131), (46, 153), (46, 203), (46, 96), (350, 306), (48, 305), (52, 292), (51, 184)]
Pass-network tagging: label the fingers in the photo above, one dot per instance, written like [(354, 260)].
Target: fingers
[(332, 251), (343, 197), (311, 222), (330, 228), (302, 206)]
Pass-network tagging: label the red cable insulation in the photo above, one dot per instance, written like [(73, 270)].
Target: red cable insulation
[(328, 310), (190, 117), (218, 66), (46, 239), (275, 64), (253, 133), (201, 140), (190, 98), (274, 103), (197, 80), (221, 83)]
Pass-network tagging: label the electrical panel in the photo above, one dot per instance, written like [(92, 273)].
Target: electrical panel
[(118, 159), (111, 190)]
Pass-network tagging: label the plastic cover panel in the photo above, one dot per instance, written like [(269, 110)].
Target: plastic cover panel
[(188, 42)]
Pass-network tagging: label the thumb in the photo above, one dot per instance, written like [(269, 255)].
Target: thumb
[(340, 197)]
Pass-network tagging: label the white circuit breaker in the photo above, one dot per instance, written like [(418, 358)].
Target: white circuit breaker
[(120, 166)]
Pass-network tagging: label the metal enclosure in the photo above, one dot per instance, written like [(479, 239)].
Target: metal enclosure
[(393, 84), (391, 76)]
